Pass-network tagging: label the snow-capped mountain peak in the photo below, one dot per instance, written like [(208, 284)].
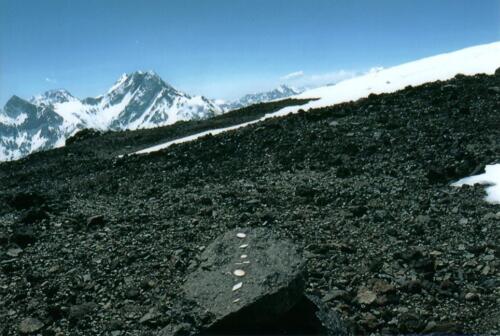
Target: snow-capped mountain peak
[(285, 89), (136, 100), (52, 97), (146, 80)]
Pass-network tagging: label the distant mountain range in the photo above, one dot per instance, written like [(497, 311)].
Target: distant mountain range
[(136, 100), (280, 92)]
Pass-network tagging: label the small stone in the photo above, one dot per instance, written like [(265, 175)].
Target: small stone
[(132, 293), (95, 221), (14, 252), (494, 89), (239, 273), (423, 219), (78, 312), (442, 327), (115, 324), (343, 247), (383, 287), (369, 321), (375, 264), (241, 235), (489, 257), (147, 284), (237, 286), (152, 314), (30, 325), (55, 312), (366, 296), (410, 323), (471, 297), (337, 294)]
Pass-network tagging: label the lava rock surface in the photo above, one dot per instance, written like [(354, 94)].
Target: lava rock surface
[(271, 276), (363, 186), (248, 281)]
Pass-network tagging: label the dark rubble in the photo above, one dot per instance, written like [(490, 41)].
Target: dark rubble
[(92, 244)]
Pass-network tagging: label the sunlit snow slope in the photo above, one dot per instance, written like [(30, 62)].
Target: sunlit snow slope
[(470, 61)]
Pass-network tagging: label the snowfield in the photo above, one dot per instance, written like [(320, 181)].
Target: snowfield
[(470, 61)]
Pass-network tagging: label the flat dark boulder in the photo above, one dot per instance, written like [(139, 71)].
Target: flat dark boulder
[(251, 282)]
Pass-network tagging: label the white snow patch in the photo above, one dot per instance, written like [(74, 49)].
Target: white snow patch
[(21, 139), (37, 141), (13, 121), (194, 137), (123, 78), (107, 115), (491, 177), (69, 111)]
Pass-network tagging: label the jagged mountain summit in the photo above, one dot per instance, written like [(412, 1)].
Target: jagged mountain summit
[(136, 100), (281, 92)]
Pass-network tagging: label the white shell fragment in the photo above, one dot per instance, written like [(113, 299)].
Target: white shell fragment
[(239, 273), (241, 235), (244, 246), (237, 286), (236, 300), (244, 256)]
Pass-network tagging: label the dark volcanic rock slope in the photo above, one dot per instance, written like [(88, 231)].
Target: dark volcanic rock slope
[(363, 186)]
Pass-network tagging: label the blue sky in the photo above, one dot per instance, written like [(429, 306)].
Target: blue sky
[(225, 48)]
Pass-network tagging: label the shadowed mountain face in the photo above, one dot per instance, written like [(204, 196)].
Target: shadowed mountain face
[(137, 100), (25, 128)]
